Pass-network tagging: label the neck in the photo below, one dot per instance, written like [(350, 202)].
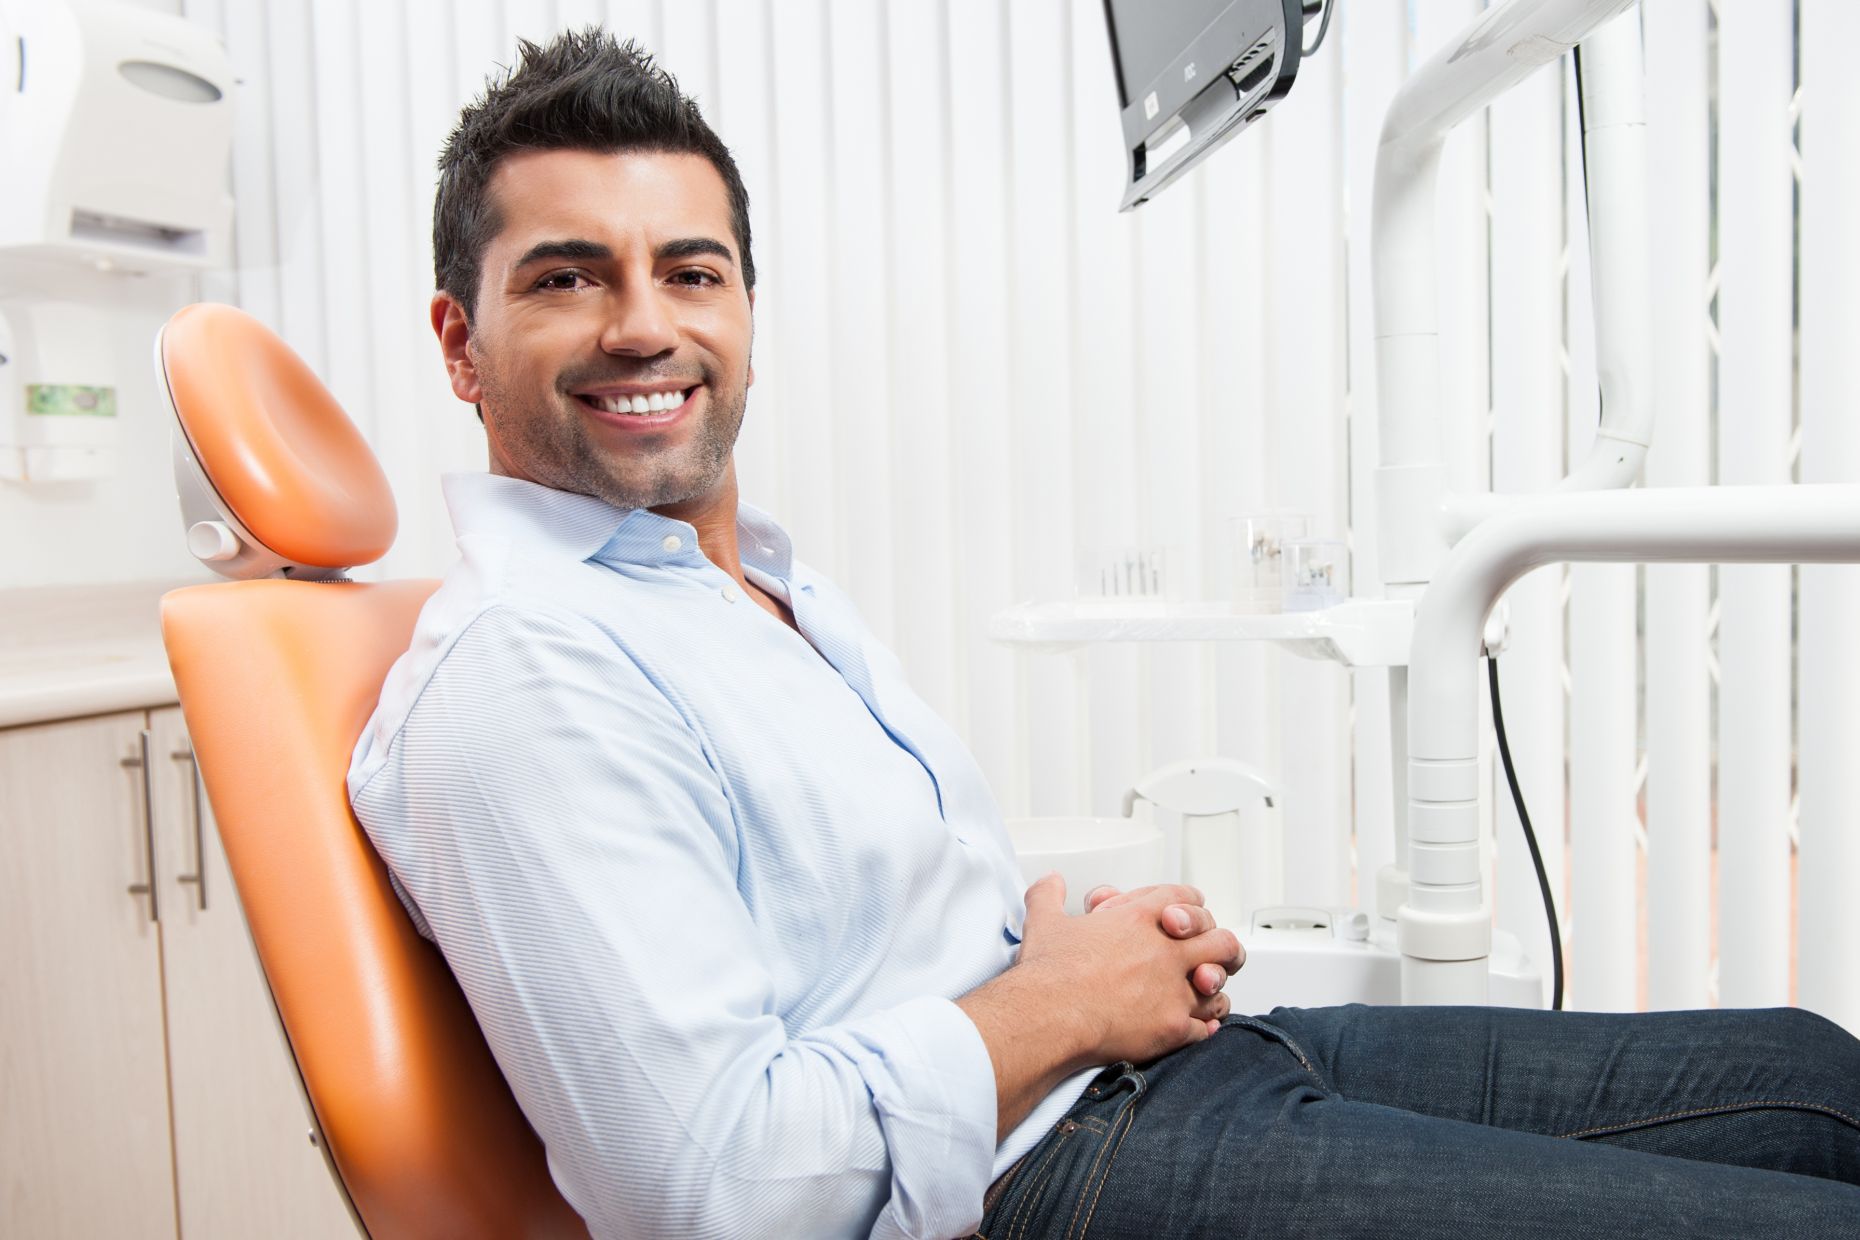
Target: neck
[(713, 516)]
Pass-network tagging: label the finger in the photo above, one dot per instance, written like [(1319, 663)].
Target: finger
[(1171, 893), (1213, 1008), (1208, 978), (1098, 895), (1185, 921), (1217, 946), (1046, 898)]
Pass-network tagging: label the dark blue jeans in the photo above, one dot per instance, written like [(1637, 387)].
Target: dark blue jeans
[(1460, 1122)]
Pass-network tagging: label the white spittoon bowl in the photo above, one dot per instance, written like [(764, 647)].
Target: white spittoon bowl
[(1088, 853)]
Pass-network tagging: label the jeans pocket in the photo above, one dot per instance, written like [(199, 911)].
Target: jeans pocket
[(1272, 1032), (1056, 1184)]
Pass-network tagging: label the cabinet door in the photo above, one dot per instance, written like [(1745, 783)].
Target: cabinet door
[(84, 1146), (243, 1159)]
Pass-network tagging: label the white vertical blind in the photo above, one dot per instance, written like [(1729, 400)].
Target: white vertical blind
[(1829, 658), (971, 371), (1306, 440), (1678, 596), (982, 395), (1374, 54), (1755, 391), (1043, 392), (1105, 453)]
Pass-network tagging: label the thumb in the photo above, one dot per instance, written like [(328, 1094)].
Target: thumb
[(1046, 899)]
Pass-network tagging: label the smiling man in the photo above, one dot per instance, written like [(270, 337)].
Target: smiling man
[(737, 912)]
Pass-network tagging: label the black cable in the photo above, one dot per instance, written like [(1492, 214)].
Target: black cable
[(1530, 837), (1582, 145), (1322, 27)]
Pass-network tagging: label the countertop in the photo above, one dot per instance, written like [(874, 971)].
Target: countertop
[(68, 651)]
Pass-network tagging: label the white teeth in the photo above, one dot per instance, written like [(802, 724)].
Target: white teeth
[(657, 402)]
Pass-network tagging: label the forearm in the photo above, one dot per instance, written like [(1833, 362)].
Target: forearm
[(1037, 1034)]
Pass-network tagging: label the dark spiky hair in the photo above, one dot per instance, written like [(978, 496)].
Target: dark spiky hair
[(584, 90)]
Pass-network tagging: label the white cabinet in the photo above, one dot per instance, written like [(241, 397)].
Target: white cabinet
[(147, 1089), (84, 1144)]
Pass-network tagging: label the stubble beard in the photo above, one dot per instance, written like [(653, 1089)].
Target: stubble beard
[(546, 436)]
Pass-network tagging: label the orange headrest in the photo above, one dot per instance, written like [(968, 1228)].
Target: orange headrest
[(273, 442)]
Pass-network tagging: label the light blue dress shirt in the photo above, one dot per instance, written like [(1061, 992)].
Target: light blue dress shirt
[(709, 886)]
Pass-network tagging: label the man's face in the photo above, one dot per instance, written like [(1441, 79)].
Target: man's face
[(613, 284)]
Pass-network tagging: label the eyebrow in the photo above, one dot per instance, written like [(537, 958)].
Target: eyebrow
[(691, 247), (582, 250)]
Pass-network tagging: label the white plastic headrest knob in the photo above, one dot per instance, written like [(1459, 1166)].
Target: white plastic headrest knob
[(211, 541)]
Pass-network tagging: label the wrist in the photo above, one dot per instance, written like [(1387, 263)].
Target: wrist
[(1074, 1028)]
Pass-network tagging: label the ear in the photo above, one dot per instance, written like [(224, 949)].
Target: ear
[(454, 332), (752, 339)]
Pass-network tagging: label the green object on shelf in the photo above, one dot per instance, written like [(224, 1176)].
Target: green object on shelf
[(70, 400)]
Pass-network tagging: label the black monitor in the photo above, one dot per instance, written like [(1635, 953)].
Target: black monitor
[(1193, 73)]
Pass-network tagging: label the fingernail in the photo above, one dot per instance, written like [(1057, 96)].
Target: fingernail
[(1178, 919)]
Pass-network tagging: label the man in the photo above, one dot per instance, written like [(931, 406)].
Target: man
[(738, 915)]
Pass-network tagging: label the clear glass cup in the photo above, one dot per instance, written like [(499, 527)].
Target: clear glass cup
[(1317, 573), (1259, 542)]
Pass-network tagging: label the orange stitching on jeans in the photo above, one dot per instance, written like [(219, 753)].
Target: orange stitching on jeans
[(1038, 1190), (1099, 1191), (1718, 1110), (1124, 1117)]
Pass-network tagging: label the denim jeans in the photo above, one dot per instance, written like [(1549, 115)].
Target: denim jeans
[(1460, 1122)]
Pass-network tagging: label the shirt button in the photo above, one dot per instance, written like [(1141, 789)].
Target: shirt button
[(672, 542), (731, 594)]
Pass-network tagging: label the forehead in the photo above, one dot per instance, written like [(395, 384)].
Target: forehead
[(609, 197)]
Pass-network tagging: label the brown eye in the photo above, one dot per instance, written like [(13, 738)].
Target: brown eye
[(562, 281)]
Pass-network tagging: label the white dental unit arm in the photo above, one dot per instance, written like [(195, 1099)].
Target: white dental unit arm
[(1455, 555)]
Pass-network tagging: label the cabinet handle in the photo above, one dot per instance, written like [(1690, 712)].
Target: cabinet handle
[(199, 876), (147, 887)]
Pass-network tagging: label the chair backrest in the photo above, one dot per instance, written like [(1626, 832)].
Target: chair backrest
[(277, 679)]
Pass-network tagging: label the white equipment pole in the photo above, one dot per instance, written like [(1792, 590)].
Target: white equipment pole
[(1445, 928), (1414, 521)]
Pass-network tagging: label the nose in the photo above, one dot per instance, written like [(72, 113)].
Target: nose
[(638, 323)]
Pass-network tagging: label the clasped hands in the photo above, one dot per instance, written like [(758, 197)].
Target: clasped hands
[(1152, 960), (1180, 921)]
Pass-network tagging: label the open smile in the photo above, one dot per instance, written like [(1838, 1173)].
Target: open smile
[(638, 408)]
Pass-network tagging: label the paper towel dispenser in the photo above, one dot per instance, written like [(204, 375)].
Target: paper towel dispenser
[(115, 132)]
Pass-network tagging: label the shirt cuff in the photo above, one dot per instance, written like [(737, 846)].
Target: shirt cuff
[(933, 1088)]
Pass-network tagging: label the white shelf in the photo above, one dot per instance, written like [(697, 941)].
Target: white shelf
[(1357, 633)]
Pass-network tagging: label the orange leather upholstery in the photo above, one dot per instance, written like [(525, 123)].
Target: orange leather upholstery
[(277, 679), (278, 447)]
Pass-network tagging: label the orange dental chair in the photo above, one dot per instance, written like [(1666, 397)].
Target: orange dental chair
[(277, 678)]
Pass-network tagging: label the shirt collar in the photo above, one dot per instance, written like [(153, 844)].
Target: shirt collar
[(590, 528)]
